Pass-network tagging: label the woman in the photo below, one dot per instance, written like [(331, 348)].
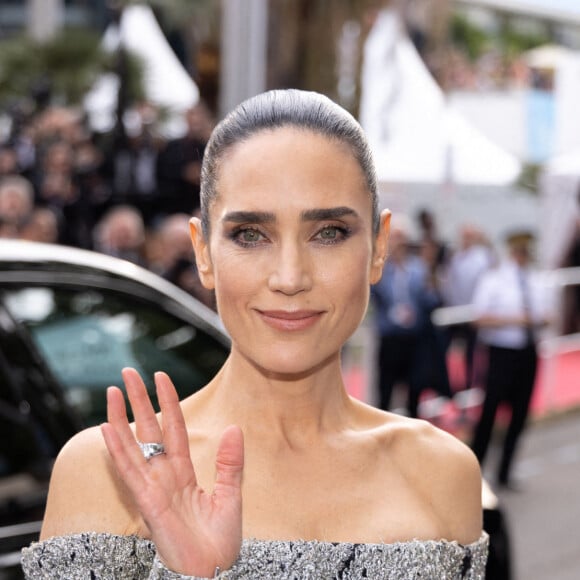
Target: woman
[(290, 238)]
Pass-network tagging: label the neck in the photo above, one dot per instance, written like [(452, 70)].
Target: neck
[(293, 409)]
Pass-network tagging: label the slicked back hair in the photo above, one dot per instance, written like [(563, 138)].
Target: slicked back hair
[(285, 108)]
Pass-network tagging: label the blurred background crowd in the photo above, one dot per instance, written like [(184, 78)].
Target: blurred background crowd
[(131, 198)]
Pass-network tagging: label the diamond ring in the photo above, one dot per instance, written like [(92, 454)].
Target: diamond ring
[(150, 450)]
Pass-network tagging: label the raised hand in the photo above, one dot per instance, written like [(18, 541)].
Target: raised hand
[(194, 531)]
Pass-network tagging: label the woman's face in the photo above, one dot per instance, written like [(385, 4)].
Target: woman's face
[(291, 252)]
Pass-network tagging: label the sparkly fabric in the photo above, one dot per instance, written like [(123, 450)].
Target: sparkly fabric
[(106, 557)]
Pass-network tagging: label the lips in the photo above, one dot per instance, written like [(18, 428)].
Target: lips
[(290, 320)]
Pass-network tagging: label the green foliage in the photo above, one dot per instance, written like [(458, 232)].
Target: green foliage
[(178, 12), (515, 42), (467, 36), (70, 64), (509, 41)]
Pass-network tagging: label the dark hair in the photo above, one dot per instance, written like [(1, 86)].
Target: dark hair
[(280, 108)]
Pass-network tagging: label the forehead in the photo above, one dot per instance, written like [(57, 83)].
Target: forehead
[(289, 161), (287, 137)]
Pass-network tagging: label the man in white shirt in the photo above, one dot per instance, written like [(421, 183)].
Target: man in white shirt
[(510, 305)]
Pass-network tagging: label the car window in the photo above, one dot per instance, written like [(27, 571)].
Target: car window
[(87, 336), (18, 445)]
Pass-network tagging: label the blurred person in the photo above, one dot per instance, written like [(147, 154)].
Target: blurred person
[(432, 363), (69, 181), (57, 158), (174, 242), (36, 141), (121, 233), (57, 189), (176, 260), (16, 204), (428, 233), (511, 305), (41, 226), (54, 174), (57, 124), (89, 177), (179, 163), (8, 162), (519, 73), (467, 264), (402, 302), (23, 142), (130, 163), (60, 193), (57, 134)]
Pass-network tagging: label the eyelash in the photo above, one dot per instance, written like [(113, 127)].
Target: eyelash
[(343, 233), (237, 233)]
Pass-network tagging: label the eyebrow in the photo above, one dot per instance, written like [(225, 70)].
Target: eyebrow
[(256, 217), (328, 213), (260, 217)]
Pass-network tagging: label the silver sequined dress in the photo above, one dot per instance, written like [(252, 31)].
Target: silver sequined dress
[(94, 556)]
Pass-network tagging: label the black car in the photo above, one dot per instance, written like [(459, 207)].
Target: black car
[(70, 320)]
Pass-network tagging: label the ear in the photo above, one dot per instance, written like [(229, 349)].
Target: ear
[(380, 247), (202, 256)]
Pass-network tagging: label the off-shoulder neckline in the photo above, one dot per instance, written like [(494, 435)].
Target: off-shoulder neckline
[(297, 542)]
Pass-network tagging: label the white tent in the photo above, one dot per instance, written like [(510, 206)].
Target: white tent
[(547, 56), (415, 135), (167, 83), (427, 155)]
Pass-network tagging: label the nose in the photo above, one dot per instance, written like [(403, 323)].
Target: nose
[(291, 270)]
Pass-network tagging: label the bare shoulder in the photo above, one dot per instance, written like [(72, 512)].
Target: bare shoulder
[(446, 473), (439, 467), (85, 493)]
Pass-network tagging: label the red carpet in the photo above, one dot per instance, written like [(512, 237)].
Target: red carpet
[(557, 390), (558, 385)]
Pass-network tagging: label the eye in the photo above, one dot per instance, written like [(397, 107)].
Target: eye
[(331, 234), (248, 236), (328, 233)]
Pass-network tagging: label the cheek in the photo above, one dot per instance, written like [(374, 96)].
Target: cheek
[(235, 276), (347, 275), (357, 292)]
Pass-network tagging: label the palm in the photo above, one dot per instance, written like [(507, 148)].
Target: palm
[(194, 531)]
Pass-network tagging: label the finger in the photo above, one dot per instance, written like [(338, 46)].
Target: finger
[(146, 424), (116, 410), (174, 427), (229, 462), (117, 418), (122, 460)]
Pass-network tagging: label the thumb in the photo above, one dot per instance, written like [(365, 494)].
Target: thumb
[(229, 462)]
